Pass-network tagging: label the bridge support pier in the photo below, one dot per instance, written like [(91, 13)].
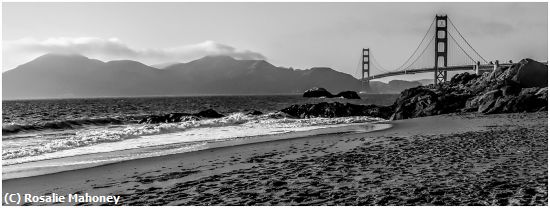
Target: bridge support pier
[(476, 68), (441, 40), (495, 66), (365, 85)]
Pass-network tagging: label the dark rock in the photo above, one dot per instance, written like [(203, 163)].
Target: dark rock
[(510, 90), (348, 95), (505, 90), (530, 73), (451, 102), (179, 117), (415, 102), (488, 100), (168, 118), (323, 93), (529, 91), (254, 113), (527, 101), (337, 109), (502, 105), (317, 92), (463, 78), (543, 93), (472, 104), (527, 73), (210, 113)]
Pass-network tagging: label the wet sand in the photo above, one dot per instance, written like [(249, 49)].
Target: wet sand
[(464, 159)]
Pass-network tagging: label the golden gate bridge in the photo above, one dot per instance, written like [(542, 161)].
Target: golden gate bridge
[(454, 55)]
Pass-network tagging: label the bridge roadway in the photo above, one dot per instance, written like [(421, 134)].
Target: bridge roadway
[(484, 67)]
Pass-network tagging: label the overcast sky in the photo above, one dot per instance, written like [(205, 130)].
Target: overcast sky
[(298, 35)]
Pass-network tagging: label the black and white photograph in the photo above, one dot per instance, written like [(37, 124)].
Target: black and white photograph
[(274, 103)]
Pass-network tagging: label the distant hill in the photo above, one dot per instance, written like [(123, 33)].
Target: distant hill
[(62, 76), (76, 76)]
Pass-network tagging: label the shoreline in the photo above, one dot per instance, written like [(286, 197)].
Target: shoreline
[(59, 164), (281, 169)]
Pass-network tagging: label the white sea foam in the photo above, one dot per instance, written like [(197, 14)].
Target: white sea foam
[(105, 139)]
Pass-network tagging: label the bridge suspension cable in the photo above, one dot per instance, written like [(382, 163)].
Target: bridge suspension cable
[(452, 38), (418, 47), (358, 68), (421, 54), (460, 34), (377, 65), (449, 44)]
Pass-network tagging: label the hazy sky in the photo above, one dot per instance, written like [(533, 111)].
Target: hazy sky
[(299, 35)]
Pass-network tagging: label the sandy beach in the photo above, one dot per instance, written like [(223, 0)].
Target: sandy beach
[(460, 159)]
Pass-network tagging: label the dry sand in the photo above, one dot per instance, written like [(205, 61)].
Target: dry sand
[(464, 159)]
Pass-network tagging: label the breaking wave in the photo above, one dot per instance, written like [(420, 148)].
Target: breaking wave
[(238, 122), (8, 129)]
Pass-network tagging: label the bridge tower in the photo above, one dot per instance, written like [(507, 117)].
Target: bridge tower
[(441, 38), (365, 66)]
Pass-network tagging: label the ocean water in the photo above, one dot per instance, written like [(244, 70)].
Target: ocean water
[(49, 130)]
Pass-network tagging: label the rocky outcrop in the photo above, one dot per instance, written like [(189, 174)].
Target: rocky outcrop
[(527, 73), (180, 117), (317, 92), (209, 114), (415, 102), (336, 109), (528, 100), (168, 118), (348, 95), (323, 93), (522, 87)]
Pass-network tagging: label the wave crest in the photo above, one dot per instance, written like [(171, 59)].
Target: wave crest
[(89, 137), (65, 124)]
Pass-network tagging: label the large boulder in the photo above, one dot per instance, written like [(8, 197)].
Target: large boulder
[(530, 100), (317, 92), (527, 73), (348, 95), (530, 73), (526, 101), (415, 102), (168, 118), (497, 101), (487, 101), (179, 117), (336, 109), (210, 113), (323, 93)]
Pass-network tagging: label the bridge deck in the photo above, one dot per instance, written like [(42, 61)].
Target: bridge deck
[(425, 70)]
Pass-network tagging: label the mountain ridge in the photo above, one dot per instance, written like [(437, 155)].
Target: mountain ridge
[(77, 76)]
